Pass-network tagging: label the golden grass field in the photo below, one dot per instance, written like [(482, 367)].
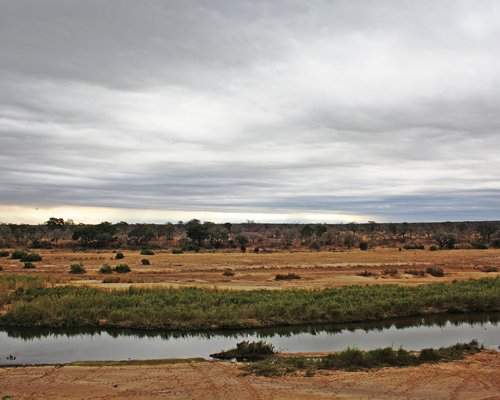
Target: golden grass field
[(251, 271)]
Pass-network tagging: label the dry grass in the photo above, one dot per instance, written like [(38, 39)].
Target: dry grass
[(317, 269)]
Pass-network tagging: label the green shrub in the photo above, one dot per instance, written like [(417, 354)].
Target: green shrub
[(435, 271), (105, 269), (496, 244), (286, 277), (119, 256), (29, 265), (147, 252), (353, 359), (76, 269), (228, 272), (145, 261), (247, 351), (433, 248), (33, 257), (256, 250), (18, 254), (122, 269), (4, 253), (363, 246), (177, 251), (480, 246)]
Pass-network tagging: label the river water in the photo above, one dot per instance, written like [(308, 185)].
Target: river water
[(51, 346)]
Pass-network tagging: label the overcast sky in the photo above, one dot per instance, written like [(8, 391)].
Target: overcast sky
[(267, 110)]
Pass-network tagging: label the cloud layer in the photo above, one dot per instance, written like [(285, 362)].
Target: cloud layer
[(380, 109)]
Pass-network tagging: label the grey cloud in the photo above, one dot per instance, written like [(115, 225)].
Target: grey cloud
[(383, 109)]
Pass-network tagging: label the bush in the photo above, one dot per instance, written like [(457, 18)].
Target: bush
[(247, 351), (177, 251), (243, 249), (1, 268), (147, 252), (119, 256), (76, 269), (496, 244), (228, 272), (4, 253), (29, 265), (365, 273), (433, 248), (435, 271), (18, 254), (33, 257), (489, 269), (105, 269), (414, 247), (122, 268), (480, 246), (145, 261), (415, 272), (256, 250), (390, 271), (363, 246), (286, 277)]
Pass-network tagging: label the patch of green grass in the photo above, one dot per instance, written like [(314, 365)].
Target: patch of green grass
[(195, 308), (354, 359)]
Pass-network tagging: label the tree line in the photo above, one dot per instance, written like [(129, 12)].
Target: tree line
[(196, 235)]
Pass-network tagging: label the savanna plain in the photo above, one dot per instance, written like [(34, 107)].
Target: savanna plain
[(221, 289)]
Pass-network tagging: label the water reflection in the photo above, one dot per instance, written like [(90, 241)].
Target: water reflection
[(438, 320), (49, 346)]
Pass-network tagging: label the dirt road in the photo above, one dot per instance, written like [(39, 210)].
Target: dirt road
[(476, 377)]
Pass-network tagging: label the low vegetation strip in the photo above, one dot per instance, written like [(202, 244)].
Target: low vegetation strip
[(353, 360), (34, 302)]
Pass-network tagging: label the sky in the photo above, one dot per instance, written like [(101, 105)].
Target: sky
[(273, 111)]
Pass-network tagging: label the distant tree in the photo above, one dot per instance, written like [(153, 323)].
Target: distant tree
[(217, 236), (100, 235), (142, 234), (486, 230), (55, 223), (242, 240), (168, 230), (320, 229), (228, 226), (306, 232), (197, 232), (446, 241)]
